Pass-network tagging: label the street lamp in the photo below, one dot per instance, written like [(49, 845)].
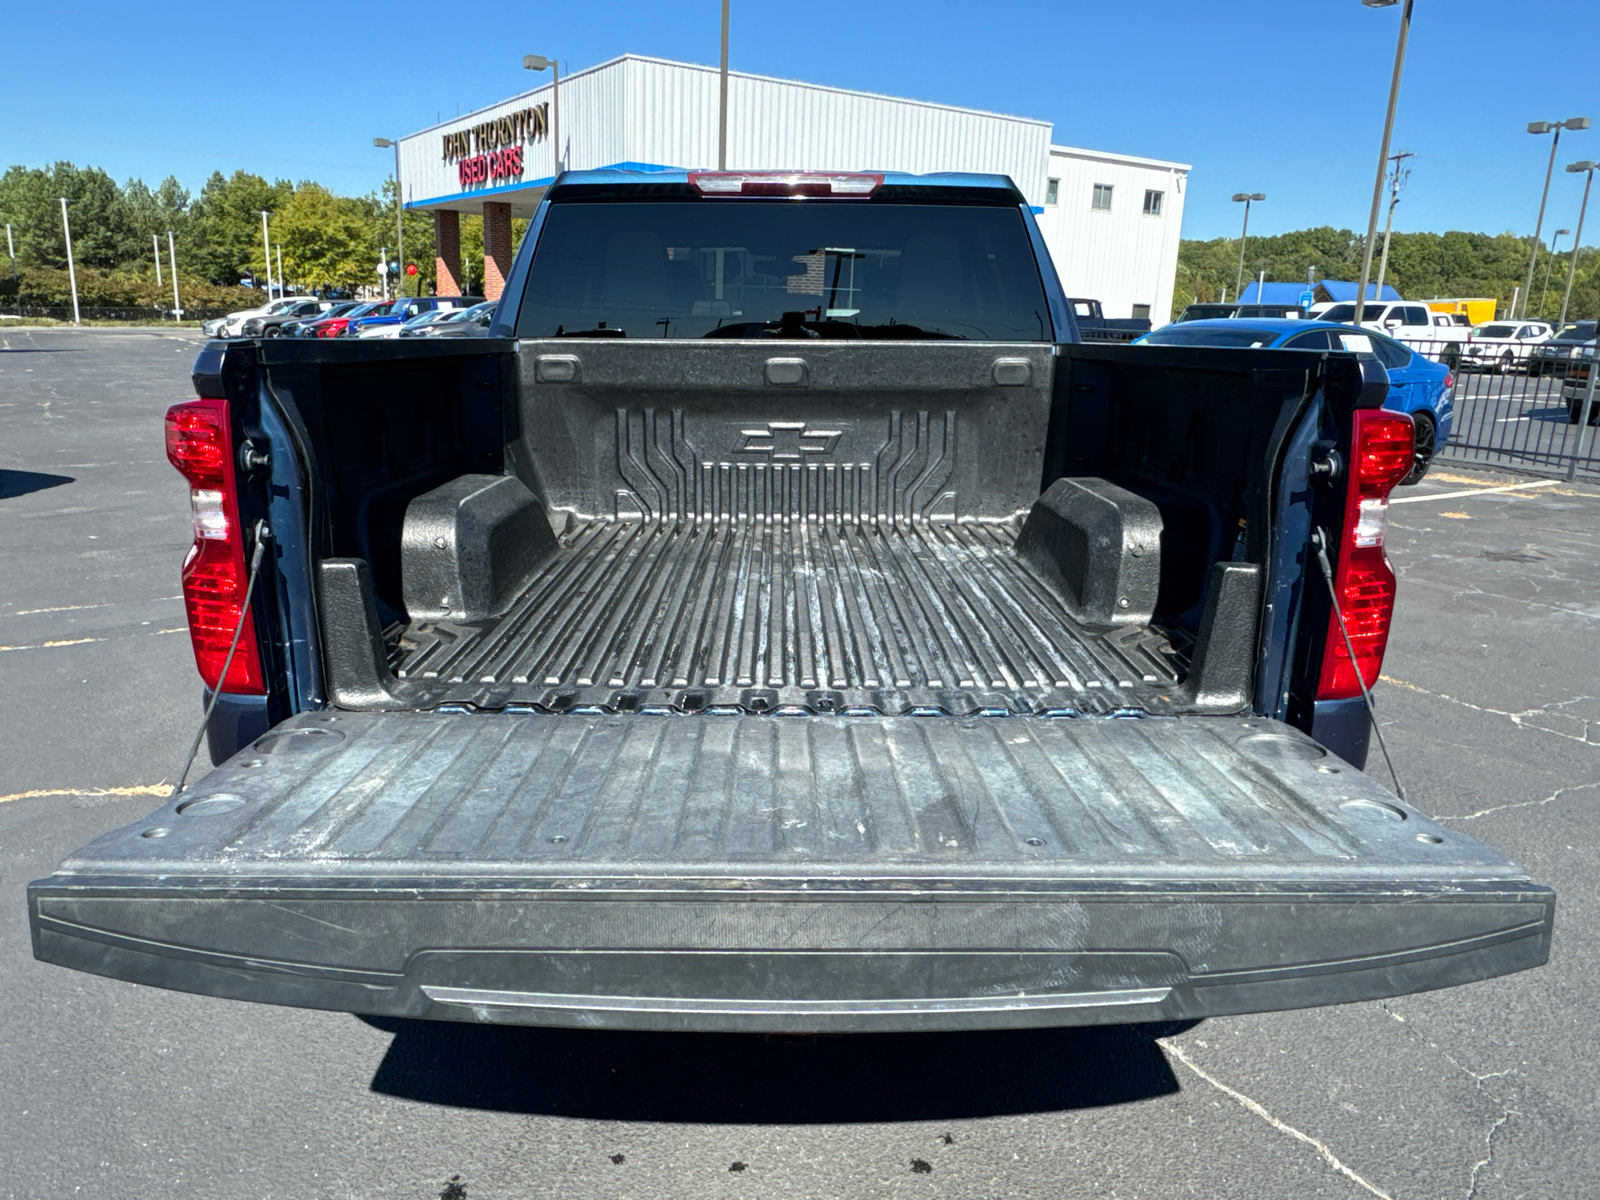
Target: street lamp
[(1383, 150), (1246, 198), (538, 62), (1554, 127), (399, 225), (1549, 263), (1577, 168)]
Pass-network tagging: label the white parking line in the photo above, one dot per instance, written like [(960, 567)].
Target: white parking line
[(1510, 487)]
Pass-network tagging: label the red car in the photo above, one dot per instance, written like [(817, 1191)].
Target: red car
[(330, 327)]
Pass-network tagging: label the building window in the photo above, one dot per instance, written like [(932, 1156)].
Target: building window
[(1052, 190), (1102, 198), (1152, 203), (1141, 312)]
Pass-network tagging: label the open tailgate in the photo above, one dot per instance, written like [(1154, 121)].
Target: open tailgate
[(726, 872)]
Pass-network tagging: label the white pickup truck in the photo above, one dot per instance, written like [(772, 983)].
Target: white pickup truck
[(1434, 335)]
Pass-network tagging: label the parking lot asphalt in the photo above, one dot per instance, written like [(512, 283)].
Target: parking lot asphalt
[(1491, 703)]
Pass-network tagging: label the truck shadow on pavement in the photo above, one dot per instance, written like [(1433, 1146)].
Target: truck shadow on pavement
[(21, 483), (734, 1079)]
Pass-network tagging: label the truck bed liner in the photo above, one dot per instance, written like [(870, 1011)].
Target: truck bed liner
[(742, 872), (891, 617)]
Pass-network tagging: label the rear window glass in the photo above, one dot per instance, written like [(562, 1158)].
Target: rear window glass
[(758, 268), (1211, 335)]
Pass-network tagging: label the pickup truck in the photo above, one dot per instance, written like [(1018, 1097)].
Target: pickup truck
[(783, 622), (1095, 326)]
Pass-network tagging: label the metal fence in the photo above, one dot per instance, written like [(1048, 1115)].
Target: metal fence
[(1517, 409), (153, 316)]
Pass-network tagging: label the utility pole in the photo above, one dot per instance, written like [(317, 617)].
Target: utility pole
[(72, 270), (1383, 150), (1397, 181), (279, 249), (11, 249), (155, 242), (266, 252), (172, 251), (722, 109)]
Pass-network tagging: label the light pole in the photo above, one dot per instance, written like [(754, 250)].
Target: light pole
[(172, 253), (722, 107), (72, 270), (1554, 127), (282, 291), (1589, 168), (1244, 234), (1383, 150), (1396, 182), (538, 62), (155, 243), (11, 249), (266, 252), (399, 216), (1549, 263)]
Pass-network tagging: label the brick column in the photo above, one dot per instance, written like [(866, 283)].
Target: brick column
[(496, 248), (447, 251)]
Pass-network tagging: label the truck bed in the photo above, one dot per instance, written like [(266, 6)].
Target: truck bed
[(847, 615)]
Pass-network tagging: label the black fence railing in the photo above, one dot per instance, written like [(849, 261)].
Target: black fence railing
[(154, 316), (1518, 405)]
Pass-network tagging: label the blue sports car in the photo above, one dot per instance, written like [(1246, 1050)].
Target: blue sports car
[(1417, 385)]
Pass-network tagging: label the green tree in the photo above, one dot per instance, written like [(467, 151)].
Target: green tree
[(222, 238), (326, 240)]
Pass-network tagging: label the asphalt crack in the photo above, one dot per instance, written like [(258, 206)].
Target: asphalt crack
[(1283, 1127)]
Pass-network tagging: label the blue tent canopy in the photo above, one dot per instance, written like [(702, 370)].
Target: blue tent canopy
[(1338, 290)]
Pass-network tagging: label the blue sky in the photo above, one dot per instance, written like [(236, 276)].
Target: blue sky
[(1280, 96)]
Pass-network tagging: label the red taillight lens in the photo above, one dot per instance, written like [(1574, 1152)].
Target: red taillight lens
[(1381, 456), (200, 445)]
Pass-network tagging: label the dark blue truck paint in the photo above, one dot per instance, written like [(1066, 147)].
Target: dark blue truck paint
[(781, 683)]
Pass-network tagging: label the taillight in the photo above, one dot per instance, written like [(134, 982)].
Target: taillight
[(1449, 380), (785, 183), (200, 445), (1381, 456)]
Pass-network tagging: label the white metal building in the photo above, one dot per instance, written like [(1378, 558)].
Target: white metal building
[(1112, 221)]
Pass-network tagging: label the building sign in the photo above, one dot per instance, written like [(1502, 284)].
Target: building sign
[(482, 168), (493, 149), (513, 129)]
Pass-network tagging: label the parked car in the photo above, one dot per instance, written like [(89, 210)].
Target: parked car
[(296, 327), (232, 324), (1573, 342), (788, 679), (1503, 346), (334, 326), (463, 322), (421, 320), (1417, 385), (271, 324), (402, 310), (1207, 312)]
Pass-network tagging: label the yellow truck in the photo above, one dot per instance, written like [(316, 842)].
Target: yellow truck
[(1477, 310)]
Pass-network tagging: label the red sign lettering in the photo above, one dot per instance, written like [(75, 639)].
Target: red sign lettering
[(499, 164)]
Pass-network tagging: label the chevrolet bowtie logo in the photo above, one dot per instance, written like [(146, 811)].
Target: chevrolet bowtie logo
[(787, 440)]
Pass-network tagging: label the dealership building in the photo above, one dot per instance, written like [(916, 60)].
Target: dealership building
[(1112, 221)]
